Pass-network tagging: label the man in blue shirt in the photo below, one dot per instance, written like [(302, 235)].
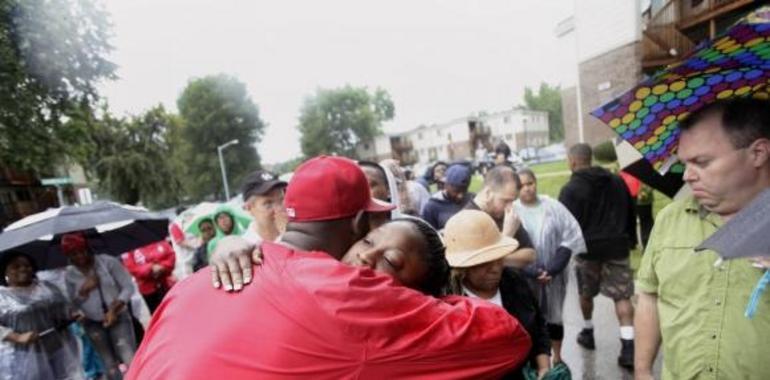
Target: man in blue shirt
[(445, 203)]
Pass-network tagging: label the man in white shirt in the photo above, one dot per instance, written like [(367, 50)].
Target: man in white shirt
[(263, 200)]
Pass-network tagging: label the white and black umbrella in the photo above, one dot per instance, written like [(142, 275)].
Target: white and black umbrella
[(746, 234), (110, 228)]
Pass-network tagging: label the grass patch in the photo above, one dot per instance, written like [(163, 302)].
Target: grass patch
[(548, 184), (477, 182), (550, 167), (552, 176)]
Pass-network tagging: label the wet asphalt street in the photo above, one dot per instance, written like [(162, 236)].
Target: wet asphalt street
[(600, 364)]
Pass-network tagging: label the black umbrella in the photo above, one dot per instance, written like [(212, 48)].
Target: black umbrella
[(747, 234), (110, 228)]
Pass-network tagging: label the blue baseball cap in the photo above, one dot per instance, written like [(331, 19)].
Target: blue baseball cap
[(458, 176)]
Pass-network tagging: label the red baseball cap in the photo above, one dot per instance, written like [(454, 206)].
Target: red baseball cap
[(72, 242), (328, 188)]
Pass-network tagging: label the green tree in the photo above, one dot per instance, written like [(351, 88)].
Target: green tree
[(52, 54), (131, 158), (333, 121), (217, 109), (287, 166), (547, 99)]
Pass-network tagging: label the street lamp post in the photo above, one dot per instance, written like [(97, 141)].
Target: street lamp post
[(222, 166)]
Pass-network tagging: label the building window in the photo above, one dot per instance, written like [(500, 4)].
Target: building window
[(366, 146), (438, 132), (419, 135), (506, 119), (508, 136), (449, 136)]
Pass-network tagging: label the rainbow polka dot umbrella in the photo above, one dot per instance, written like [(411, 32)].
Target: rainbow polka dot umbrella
[(737, 63)]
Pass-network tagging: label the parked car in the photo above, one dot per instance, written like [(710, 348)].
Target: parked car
[(550, 153)]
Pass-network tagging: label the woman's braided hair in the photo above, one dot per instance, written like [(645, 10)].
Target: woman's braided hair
[(436, 279)]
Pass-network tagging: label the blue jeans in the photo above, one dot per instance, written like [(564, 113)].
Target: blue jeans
[(115, 344)]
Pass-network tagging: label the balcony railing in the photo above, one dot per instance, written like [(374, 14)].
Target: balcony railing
[(663, 42), (666, 33), (400, 145), (696, 12)]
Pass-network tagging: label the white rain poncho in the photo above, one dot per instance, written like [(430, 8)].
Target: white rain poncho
[(40, 307), (559, 228)]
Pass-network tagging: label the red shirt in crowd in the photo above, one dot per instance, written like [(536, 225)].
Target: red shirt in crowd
[(633, 184), (306, 315), (139, 263)]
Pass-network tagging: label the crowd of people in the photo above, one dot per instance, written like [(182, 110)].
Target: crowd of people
[(355, 270)]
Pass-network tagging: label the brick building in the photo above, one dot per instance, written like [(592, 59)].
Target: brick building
[(611, 45)]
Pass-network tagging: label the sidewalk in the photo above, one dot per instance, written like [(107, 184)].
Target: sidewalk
[(601, 364)]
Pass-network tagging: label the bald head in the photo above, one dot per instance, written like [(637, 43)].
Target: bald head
[(499, 177)]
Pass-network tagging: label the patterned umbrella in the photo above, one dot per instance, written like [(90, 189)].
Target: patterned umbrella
[(737, 63)]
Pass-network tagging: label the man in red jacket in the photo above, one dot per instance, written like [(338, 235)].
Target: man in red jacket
[(306, 315), (151, 266)]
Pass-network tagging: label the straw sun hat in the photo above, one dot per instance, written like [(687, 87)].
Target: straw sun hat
[(472, 238)]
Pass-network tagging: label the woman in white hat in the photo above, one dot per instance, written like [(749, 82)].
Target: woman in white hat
[(475, 249)]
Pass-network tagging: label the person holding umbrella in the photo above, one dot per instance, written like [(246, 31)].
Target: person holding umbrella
[(691, 303), (101, 288), (34, 314)]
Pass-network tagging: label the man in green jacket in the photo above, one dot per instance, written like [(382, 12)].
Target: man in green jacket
[(693, 303)]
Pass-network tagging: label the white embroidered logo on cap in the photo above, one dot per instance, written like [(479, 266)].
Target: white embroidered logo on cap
[(290, 212), (267, 177)]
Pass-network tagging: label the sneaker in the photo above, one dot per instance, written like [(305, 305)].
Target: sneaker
[(626, 358), (586, 339)]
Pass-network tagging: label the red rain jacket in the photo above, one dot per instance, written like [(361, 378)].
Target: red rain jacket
[(139, 263), (306, 315)]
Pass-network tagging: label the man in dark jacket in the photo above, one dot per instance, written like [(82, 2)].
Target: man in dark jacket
[(447, 202), (602, 205)]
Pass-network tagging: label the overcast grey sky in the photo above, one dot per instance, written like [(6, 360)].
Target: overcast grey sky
[(438, 59)]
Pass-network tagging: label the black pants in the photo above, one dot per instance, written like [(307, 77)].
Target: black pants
[(645, 222), (555, 332)]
